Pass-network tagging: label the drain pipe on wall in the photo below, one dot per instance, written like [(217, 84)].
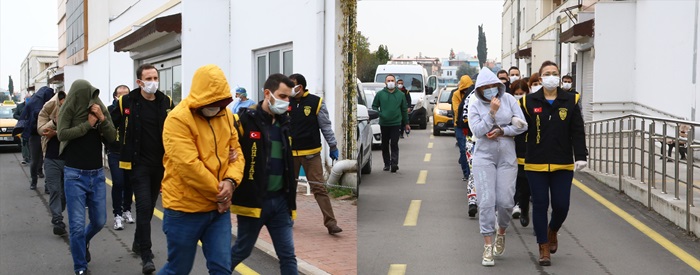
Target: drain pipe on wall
[(341, 167)]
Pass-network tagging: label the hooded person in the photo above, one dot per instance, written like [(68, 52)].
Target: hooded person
[(492, 118), (31, 115), (200, 176), (83, 124)]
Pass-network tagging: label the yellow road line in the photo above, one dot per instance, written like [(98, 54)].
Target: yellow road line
[(658, 238), (422, 176), (432, 136), (412, 214), (397, 269), (430, 145), (240, 268), (427, 157)]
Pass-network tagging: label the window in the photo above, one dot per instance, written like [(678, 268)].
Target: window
[(279, 59), (75, 29)]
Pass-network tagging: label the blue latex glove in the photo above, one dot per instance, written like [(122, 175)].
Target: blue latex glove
[(334, 154)]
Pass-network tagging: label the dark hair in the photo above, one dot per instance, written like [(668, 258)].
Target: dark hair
[(519, 84), (114, 94), (397, 81), (513, 68), (567, 76), (501, 72), (273, 82), (143, 67), (61, 95), (389, 76), (548, 63), (534, 77), (301, 80)]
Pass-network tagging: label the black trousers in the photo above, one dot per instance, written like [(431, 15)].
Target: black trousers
[(522, 191), (35, 167), (390, 134), (146, 182)]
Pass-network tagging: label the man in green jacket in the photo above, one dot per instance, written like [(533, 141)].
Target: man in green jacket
[(392, 107)]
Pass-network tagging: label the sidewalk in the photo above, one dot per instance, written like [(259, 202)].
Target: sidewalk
[(316, 250)]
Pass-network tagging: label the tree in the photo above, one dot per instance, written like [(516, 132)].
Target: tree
[(465, 69), (481, 49), (367, 61), (11, 87), (382, 54)]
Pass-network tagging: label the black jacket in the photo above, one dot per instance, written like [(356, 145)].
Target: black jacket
[(129, 130), (253, 128), (555, 134)]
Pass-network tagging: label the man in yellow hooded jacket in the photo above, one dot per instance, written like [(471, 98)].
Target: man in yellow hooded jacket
[(199, 177)]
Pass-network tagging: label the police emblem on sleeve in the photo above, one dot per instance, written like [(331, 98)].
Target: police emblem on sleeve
[(307, 110), (562, 113)]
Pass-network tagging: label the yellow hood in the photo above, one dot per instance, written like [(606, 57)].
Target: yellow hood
[(209, 85), (465, 82)]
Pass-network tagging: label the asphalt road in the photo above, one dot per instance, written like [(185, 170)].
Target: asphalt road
[(444, 240), (28, 246)]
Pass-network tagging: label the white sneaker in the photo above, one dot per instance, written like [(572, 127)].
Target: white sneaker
[(500, 246), (516, 212), (118, 222), (127, 217), (488, 256)]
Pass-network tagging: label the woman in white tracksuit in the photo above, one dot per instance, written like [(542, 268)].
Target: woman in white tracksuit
[(494, 118)]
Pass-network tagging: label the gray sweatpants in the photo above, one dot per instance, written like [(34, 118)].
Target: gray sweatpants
[(495, 169), (54, 182)]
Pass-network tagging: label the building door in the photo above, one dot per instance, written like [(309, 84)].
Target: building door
[(586, 84), (170, 75)]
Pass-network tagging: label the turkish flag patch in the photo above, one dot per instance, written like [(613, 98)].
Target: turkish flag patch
[(289, 108), (538, 110), (127, 111), (255, 135)]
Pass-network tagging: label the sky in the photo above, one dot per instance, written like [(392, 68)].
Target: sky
[(431, 27), (24, 24)]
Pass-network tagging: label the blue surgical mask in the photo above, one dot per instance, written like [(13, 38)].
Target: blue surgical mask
[(490, 92)]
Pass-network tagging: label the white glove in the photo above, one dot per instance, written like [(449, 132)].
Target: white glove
[(518, 123), (580, 164)]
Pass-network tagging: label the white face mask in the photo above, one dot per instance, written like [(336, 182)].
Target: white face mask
[(490, 92), (400, 86), (279, 107), (550, 82), (150, 87), (518, 97), (391, 85), (566, 86), (534, 88), (210, 111), (295, 91), (513, 78)]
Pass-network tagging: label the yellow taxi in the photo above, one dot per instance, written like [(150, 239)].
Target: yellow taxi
[(442, 113), (7, 123)]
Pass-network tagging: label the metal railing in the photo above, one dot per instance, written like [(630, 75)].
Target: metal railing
[(626, 146)]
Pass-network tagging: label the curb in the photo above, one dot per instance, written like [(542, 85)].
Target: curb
[(267, 248)]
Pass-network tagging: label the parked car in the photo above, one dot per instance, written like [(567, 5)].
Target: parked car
[(364, 131), (443, 117), (418, 83), (7, 124), (371, 89)]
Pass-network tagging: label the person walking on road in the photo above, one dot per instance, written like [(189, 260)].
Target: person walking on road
[(121, 185), (534, 82), (200, 177), (31, 113), (21, 124), (496, 118), (521, 210), (556, 147), (466, 86), (267, 194), (141, 114), (53, 162), (309, 116), (83, 123), (392, 108), (402, 88)]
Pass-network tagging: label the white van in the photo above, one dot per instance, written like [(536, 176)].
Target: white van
[(419, 84)]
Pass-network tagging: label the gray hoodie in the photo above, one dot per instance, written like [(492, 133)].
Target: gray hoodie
[(480, 122)]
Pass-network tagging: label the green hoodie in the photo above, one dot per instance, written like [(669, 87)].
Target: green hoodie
[(73, 115), (392, 107)]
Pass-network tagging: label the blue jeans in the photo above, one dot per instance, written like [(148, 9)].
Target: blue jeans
[(84, 188), (278, 220), (183, 230), (462, 143), (121, 186), (541, 184)]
